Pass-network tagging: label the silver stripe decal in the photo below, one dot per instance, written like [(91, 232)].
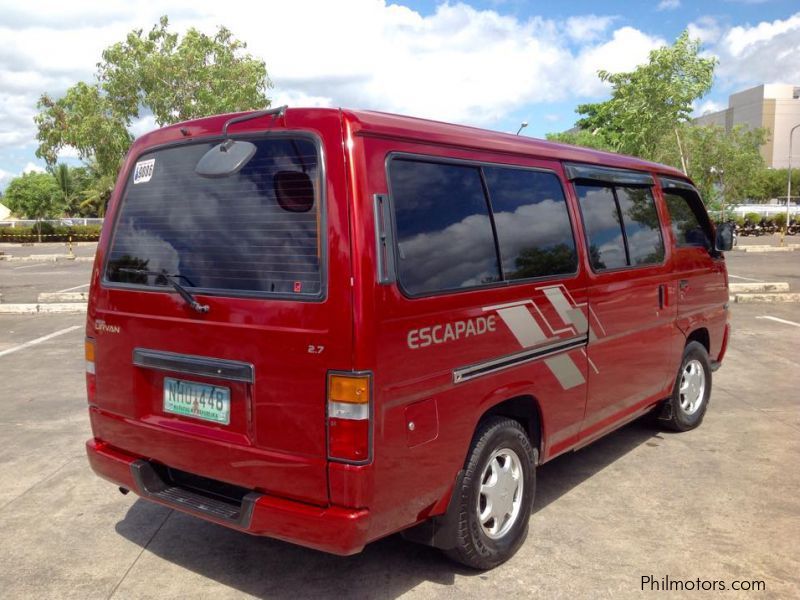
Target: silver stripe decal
[(565, 370), (348, 410), (522, 324), (512, 360), (565, 309)]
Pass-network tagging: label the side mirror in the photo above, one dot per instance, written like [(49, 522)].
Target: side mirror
[(724, 241)]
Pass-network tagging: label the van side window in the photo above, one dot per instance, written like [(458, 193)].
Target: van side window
[(642, 229), (603, 226), (685, 224), (533, 227), (621, 225), (444, 232)]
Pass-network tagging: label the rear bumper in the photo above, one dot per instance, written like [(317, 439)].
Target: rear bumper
[(331, 529)]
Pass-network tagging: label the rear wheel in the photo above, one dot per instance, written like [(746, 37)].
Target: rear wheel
[(496, 494), (692, 389)]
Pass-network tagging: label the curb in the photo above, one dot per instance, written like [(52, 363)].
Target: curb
[(47, 258), (62, 297), (777, 297), (762, 249), (34, 309), (36, 258), (765, 286)]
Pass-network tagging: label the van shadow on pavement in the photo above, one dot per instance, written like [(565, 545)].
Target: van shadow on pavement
[(263, 567)]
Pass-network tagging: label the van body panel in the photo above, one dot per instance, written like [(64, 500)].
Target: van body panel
[(582, 351), (703, 296), (411, 478), (291, 344)]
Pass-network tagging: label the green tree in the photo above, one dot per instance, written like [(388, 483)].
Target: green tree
[(771, 183), (581, 137), (156, 73), (93, 189), (63, 176), (722, 164), (535, 262), (34, 196), (84, 119), (650, 102)]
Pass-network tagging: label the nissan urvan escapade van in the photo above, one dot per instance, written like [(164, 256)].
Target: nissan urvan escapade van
[(327, 326)]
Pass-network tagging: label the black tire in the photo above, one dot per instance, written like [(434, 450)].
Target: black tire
[(475, 548), (682, 413)]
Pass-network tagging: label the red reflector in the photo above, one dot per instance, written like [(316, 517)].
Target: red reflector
[(348, 440), (91, 387)]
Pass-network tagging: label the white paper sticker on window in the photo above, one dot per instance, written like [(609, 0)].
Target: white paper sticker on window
[(143, 171)]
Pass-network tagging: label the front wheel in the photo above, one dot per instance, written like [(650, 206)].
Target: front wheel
[(692, 389), (496, 494)]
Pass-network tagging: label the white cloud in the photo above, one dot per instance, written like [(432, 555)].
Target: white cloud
[(708, 106), (143, 125), (32, 167), (457, 64), (627, 48), (587, 28), (68, 152), (706, 29), (5, 177), (668, 5), (739, 40), (763, 53)]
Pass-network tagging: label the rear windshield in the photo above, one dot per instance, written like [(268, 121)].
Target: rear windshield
[(251, 233)]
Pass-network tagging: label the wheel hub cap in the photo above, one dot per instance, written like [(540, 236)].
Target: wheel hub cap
[(692, 387), (500, 495)]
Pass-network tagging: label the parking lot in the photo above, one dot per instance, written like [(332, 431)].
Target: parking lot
[(719, 503)]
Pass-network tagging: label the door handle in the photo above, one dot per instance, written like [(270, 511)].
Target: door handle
[(662, 296), (684, 284)]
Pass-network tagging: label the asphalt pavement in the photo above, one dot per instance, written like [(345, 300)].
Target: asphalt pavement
[(719, 503)]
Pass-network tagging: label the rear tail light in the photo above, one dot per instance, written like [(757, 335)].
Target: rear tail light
[(91, 382), (349, 417)]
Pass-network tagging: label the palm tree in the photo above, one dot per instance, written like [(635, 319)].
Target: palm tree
[(63, 176)]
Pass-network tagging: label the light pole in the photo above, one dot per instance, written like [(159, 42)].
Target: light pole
[(789, 184), (522, 126)]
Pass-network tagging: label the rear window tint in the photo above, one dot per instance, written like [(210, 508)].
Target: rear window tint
[(533, 226), (444, 233), (254, 232), (603, 227)]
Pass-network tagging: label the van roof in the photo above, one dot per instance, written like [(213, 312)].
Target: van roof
[(380, 124)]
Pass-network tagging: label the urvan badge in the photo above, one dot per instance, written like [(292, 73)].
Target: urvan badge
[(101, 326), (143, 171)]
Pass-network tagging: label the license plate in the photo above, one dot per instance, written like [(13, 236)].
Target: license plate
[(197, 400)]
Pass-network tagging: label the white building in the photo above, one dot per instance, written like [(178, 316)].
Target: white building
[(775, 107)]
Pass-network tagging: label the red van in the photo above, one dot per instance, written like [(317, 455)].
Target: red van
[(327, 326)]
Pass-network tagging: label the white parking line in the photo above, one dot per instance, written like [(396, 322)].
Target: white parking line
[(777, 320), (77, 287), (30, 266), (40, 340), (745, 278)]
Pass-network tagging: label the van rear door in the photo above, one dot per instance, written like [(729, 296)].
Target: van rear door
[(236, 393)]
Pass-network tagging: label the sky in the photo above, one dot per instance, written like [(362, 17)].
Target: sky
[(488, 63)]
